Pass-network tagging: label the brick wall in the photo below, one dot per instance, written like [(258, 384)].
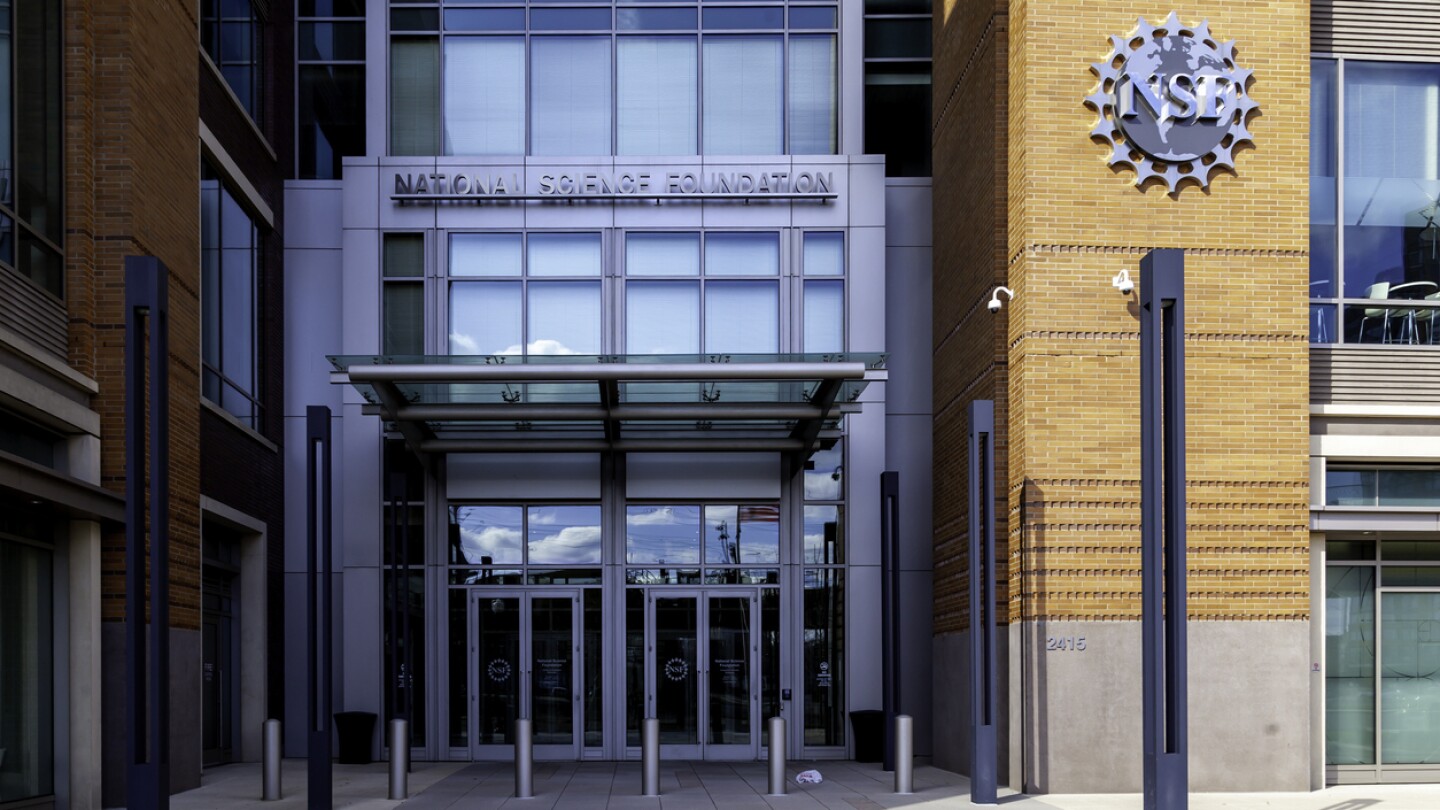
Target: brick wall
[(131, 181), (1069, 223)]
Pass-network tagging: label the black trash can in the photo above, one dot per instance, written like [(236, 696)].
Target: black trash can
[(355, 730), (869, 728)]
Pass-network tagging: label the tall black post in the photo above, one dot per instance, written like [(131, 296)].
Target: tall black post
[(1162, 527), (318, 603), (147, 710), (984, 762), (890, 607), (402, 661)]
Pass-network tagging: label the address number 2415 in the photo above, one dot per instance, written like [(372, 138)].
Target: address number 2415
[(1065, 643)]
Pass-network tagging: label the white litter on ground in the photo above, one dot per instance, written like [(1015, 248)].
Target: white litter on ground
[(809, 778)]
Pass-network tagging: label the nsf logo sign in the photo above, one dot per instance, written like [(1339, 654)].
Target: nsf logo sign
[(1173, 104)]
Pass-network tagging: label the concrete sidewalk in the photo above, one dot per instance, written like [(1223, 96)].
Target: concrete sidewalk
[(720, 785)]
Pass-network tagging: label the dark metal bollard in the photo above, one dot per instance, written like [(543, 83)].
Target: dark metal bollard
[(524, 761), (777, 756), (904, 754), (650, 757), (399, 759), (271, 761)]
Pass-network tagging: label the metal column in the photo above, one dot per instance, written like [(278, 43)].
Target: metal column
[(889, 608), (318, 603), (1162, 527), (984, 760), (147, 686)]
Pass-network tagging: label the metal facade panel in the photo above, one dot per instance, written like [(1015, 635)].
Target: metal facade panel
[(1374, 374), (1386, 28), (32, 313)]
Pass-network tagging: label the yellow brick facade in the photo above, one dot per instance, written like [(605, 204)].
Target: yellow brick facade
[(1062, 360)]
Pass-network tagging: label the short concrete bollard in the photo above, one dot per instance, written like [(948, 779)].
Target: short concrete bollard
[(650, 757), (524, 761), (270, 758), (399, 760), (904, 754), (778, 786)]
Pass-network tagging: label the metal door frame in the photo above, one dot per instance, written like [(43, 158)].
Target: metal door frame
[(525, 597), (701, 749)]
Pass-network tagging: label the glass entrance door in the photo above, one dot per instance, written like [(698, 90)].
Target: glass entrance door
[(702, 672), (525, 664)]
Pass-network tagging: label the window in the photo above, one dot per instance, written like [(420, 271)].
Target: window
[(1382, 486), (232, 33), (404, 296), (737, 544), (541, 293), (229, 293), (897, 85), (602, 80), (554, 544), (1375, 249), (330, 109), (733, 307), (27, 688), (31, 185)]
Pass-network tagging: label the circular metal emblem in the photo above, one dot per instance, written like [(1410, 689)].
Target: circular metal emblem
[(676, 669), (1172, 103), (499, 670)]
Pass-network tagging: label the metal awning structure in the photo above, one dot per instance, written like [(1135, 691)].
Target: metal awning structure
[(620, 403)]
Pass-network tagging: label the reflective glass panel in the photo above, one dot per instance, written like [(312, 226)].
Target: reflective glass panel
[(570, 93), (654, 19), (742, 96), (1323, 118), (742, 317), (769, 653), (1410, 551), (485, 19), (1410, 576), (1349, 665), (485, 254), (332, 41), (564, 254), (485, 317), (552, 669), (415, 96), (824, 253), (635, 704), (748, 535), (825, 475), (662, 254), (824, 539), (1409, 487), (814, 95), (723, 17), (657, 97), (812, 17), (897, 38), (1392, 176), (567, 535), (569, 19), (402, 667), (1350, 487), (404, 255), (27, 690), (459, 672), (594, 702), (484, 535), (498, 666), (742, 253), (729, 670), (677, 693), (661, 535), (824, 657), (404, 319), (484, 117), (662, 317), (1410, 679), (564, 317), (824, 316)]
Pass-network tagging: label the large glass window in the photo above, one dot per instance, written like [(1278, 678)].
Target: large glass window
[(330, 101), (232, 33), (737, 544), (1383, 229), (404, 304), (537, 310), (543, 544), (897, 84), (31, 181), (1381, 600), (623, 80), (27, 724), (1382, 486), (229, 295)]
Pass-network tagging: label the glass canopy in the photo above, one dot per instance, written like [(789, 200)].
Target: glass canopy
[(627, 403)]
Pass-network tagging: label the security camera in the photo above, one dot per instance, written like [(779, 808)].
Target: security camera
[(1123, 283), (994, 304)]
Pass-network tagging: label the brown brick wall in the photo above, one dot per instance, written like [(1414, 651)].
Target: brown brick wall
[(132, 180), (970, 361), (1072, 342)]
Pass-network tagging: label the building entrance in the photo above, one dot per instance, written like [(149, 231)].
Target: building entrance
[(525, 664), (701, 659)]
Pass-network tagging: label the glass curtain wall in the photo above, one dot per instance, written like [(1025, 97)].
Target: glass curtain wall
[(330, 102), (229, 299), (1382, 657), (27, 721), (1375, 183), (658, 78)]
